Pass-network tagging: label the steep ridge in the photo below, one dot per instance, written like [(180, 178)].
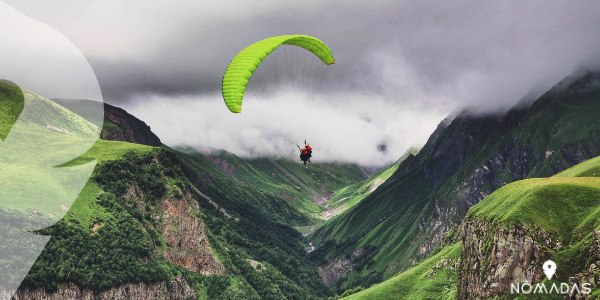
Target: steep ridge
[(504, 240), (509, 235), (118, 125), (348, 196), (462, 163)]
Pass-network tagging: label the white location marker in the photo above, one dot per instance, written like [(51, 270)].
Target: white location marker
[(549, 269)]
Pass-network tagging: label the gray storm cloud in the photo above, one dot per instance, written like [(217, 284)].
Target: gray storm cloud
[(421, 59)]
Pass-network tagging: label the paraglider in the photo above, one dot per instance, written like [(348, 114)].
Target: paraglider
[(305, 153), (245, 63), (240, 70)]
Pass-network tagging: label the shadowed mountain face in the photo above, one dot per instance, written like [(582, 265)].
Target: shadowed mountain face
[(462, 163), (118, 125)]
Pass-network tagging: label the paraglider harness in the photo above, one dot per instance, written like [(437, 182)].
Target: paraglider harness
[(305, 154)]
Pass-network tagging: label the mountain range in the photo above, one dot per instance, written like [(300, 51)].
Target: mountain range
[(465, 160), (481, 205)]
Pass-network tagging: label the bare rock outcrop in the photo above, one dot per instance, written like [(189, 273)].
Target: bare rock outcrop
[(495, 257), (492, 259), (186, 234), (338, 268)]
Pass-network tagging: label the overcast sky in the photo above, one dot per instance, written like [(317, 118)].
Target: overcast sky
[(401, 66)]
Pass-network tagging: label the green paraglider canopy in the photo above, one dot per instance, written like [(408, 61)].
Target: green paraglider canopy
[(245, 63)]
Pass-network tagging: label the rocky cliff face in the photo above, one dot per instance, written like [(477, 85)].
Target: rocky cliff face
[(178, 218), (222, 165), (119, 125), (592, 273), (172, 220), (493, 258), (186, 234), (337, 269), (176, 289)]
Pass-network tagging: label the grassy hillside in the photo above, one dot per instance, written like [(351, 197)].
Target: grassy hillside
[(461, 164), (433, 278), (590, 168), (348, 196), (566, 205), (560, 205)]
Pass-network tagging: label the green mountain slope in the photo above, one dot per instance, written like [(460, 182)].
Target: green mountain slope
[(116, 232), (553, 218), (305, 187), (346, 197), (154, 220), (560, 214), (433, 278), (462, 163), (237, 196), (558, 205)]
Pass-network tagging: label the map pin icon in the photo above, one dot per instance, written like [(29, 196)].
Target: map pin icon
[(549, 269)]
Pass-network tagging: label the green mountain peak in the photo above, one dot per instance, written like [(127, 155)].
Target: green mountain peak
[(11, 106)]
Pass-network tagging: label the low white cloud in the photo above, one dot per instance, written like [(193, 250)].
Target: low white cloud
[(351, 129)]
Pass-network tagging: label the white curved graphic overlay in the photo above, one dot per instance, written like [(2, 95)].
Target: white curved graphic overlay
[(39, 136)]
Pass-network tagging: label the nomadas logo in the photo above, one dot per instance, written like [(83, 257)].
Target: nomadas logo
[(549, 268)]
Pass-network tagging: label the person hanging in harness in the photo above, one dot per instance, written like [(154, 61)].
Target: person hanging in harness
[(305, 153)]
